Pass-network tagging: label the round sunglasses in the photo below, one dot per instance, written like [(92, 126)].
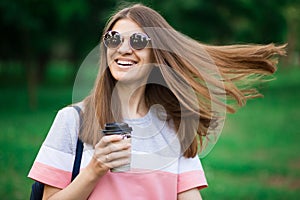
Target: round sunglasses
[(137, 41)]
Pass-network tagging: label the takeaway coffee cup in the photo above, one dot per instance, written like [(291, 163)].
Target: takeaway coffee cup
[(122, 129)]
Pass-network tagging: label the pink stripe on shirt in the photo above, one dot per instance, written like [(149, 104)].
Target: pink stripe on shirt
[(156, 185), (191, 179), (138, 186), (50, 175)]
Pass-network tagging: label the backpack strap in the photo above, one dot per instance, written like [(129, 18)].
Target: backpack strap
[(79, 147)]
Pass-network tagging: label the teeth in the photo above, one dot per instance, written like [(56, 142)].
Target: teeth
[(125, 62)]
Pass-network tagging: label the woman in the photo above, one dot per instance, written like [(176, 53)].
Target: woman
[(171, 90)]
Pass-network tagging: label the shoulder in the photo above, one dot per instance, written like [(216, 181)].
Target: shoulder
[(64, 130), (69, 115), (65, 118), (190, 164)]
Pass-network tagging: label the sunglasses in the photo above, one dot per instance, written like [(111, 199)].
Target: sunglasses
[(137, 41)]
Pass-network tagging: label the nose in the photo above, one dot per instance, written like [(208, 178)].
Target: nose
[(125, 47)]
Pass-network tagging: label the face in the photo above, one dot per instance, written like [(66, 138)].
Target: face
[(126, 63)]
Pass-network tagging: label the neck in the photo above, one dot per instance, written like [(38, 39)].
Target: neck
[(132, 100)]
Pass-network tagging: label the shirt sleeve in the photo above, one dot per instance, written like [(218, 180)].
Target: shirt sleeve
[(54, 162), (191, 174)]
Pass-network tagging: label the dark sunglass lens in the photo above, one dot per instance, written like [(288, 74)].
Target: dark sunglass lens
[(112, 39), (138, 41)]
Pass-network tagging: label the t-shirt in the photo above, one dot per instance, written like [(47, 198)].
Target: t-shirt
[(158, 169)]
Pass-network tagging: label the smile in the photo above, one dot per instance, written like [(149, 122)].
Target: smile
[(125, 63)]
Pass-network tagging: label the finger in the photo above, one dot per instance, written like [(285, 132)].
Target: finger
[(113, 147), (115, 159), (118, 155), (105, 140), (117, 146), (101, 152), (118, 163)]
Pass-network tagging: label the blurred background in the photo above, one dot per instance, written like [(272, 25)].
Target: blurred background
[(43, 44)]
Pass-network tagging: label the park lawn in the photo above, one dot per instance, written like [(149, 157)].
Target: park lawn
[(256, 157), (22, 132)]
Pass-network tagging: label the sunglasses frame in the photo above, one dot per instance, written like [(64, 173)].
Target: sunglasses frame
[(148, 39)]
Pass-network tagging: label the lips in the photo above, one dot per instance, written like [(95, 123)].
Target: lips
[(125, 63)]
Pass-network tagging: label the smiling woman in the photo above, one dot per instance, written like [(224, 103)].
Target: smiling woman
[(127, 57), (171, 90)]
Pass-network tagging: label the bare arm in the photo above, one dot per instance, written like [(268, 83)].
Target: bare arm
[(110, 152), (189, 194), (80, 188)]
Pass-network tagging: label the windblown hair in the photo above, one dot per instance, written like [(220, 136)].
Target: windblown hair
[(183, 62)]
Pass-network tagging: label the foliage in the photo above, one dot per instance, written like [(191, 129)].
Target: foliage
[(34, 33), (228, 21), (33, 29)]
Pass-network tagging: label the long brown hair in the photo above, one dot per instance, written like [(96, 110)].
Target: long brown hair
[(183, 62)]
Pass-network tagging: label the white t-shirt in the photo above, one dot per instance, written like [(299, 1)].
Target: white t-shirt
[(158, 169)]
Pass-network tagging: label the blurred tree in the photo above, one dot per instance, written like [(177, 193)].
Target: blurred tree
[(33, 32), (223, 21), (266, 21), (292, 13), (27, 31)]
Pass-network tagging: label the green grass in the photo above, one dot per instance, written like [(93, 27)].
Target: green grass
[(256, 157), (22, 132)]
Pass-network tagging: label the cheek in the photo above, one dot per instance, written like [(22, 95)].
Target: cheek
[(109, 56)]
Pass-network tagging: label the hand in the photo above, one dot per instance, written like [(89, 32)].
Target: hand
[(110, 152)]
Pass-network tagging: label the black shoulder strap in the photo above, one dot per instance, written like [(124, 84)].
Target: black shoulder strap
[(79, 147)]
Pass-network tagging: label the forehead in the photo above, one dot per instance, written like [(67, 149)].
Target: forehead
[(127, 26)]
